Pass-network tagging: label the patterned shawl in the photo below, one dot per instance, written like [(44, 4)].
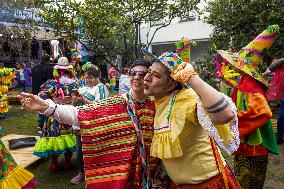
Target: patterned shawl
[(110, 146)]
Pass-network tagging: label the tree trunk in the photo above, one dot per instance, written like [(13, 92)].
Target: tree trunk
[(139, 35), (126, 53), (136, 41)]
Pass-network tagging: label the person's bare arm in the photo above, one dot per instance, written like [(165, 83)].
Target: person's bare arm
[(215, 103), (276, 64)]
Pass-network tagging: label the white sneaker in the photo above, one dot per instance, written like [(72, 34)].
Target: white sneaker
[(78, 178)]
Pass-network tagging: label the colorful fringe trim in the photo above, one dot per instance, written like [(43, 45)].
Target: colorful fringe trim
[(17, 179), (47, 146)]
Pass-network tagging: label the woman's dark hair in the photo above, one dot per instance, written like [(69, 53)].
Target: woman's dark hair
[(141, 62), (180, 86), (93, 71)]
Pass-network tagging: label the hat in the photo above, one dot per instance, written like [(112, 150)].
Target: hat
[(63, 64), (250, 57), (87, 65), (74, 52), (112, 72), (169, 60), (183, 49)]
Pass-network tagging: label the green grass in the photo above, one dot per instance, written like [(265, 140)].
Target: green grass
[(25, 122), (20, 122)]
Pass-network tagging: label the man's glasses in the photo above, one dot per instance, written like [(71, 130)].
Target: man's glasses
[(140, 73)]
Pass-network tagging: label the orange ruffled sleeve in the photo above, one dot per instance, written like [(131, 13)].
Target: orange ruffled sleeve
[(256, 116)]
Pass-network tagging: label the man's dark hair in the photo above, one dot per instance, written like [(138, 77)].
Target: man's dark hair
[(45, 59), (141, 62)]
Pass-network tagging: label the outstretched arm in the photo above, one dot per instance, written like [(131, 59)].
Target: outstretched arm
[(65, 114), (274, 65)]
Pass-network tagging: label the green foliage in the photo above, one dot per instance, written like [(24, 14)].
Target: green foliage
[(237, 22), (205, 67), (18, 37), (109, 28)]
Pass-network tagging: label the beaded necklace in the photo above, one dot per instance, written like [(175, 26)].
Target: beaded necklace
[(171, 104)]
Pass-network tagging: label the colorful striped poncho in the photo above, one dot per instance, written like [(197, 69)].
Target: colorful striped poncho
[(110, 146)]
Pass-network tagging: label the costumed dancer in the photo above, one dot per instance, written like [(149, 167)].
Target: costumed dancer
[(112, 78), (90, 90), (13, 176), (189, 124), (57, 138), (7, 76), (276, 92), (240, 70), (116, 135)]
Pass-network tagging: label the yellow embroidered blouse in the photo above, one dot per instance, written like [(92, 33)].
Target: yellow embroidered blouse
[(183, 145)]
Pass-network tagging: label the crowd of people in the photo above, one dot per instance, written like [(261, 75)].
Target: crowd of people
[(165, 126)]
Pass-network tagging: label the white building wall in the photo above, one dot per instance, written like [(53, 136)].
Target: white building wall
[(165, 38), (194, 30)]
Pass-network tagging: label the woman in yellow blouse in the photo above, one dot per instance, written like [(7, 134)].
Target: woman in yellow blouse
[(186, 132)]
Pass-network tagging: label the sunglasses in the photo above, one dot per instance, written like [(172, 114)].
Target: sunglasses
[(140, 73)]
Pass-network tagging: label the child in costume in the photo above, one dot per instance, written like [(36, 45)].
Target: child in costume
[(13, 176), (256, 132), (116, 135), (6, 78), (24, 77), (90, 90), (189, 124), (112, 79), (57, 138)]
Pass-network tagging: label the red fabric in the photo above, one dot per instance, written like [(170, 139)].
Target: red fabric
[(32, 183), (216, 182), (248, 84), (276, 86), (248, 150)]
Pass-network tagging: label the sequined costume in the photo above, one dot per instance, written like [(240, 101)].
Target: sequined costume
[(6, 77)]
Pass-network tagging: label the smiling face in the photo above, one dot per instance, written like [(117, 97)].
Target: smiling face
[(157, 82), (137, 74), (91, 80)]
